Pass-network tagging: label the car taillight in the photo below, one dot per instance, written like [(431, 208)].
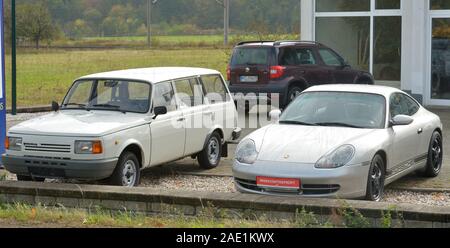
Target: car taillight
[(228, 73), (7, 143), (276, 71)]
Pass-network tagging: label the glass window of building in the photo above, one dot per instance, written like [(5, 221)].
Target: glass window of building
[(342, 5), (353, 41), (387, 48), (440, 59), (439, 4), (388, 4)]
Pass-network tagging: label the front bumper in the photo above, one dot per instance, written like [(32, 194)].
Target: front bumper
[(53, 168), (345, 182)]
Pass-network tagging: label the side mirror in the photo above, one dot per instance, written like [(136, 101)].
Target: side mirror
[(55, 106), (275, 115), (161, 110), (401, 120), (346, 64)]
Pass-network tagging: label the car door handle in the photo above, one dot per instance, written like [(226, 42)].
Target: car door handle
[(420, 131), (181, 119)]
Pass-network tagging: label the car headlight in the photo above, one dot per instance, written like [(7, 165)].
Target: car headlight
[(13, 144), (337, 158), (88, 147), (246, 152)]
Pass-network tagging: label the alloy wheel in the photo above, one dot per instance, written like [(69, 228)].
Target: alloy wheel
[(436, 156), (129, 174), (213, 150), (376, 181)]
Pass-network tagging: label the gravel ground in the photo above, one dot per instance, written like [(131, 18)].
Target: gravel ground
[(226, 185)]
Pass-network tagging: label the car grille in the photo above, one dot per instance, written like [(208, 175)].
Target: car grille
[(307, 189), (33, 147)]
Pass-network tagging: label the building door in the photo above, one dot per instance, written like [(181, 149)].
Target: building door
[(439, 62)]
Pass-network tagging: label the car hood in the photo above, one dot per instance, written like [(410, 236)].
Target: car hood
[(305, 144), (80, 123)]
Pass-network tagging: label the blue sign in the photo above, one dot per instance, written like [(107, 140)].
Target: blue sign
[(2, 85)]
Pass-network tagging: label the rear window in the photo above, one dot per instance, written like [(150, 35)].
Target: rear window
[(251, 56)]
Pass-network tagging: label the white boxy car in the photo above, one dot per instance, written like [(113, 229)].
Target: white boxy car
[(111, 125)]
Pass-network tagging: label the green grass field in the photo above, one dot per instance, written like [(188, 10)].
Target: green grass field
[(170, 40), (46, 75)]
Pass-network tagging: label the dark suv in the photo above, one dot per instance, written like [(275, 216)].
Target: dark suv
[(288, 68)]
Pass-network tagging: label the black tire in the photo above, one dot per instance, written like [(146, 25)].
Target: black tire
[(365, 81), (435, 156), (293, 93), (30, 179), (127, 172), (375, 181), (24, 178), (211, 155)]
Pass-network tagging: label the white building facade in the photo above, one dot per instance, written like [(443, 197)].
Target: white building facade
[(404, 43)]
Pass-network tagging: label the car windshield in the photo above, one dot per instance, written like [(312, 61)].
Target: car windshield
[(339, 109), (112, 95), (250, 56)]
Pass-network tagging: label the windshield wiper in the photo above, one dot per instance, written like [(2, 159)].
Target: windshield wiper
[(75, 104), (115, 107), (297, 123), (336, 124)]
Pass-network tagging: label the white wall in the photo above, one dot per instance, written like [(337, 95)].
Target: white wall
[(307, 19), (414, 47)]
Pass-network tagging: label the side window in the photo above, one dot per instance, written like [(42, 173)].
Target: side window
[(215, 89), (165, 96), (403, 105), (189, 92), (306, 56), (288, 56), (329, 57), (412, 106)]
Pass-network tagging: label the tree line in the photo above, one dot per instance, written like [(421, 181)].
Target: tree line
[(45, 20)]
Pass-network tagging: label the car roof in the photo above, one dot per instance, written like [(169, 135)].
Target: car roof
[(153, 75), (358, 88), (281, 43)]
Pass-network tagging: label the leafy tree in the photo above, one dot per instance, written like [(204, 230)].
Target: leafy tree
[(35, 23)]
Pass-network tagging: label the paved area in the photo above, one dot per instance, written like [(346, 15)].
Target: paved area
[(190, 166)]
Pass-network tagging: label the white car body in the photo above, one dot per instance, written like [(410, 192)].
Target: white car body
[(48, 141), (292, 151)]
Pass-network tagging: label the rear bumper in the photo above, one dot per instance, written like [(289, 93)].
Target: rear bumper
[(67, 169), (272, 91)]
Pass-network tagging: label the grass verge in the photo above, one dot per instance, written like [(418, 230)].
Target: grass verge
[(19, 215)]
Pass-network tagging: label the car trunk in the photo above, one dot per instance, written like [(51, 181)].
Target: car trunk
[(250, 66)]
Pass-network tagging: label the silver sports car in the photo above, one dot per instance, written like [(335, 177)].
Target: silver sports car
[(345, 141)]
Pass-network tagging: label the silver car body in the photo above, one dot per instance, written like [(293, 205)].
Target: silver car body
[(291, 151)]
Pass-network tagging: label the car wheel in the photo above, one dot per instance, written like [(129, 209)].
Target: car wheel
[(365, 81), (375, 182), (30, 179), (294, 92), (127, 172), (210, 157), (24, 178), (435, 155)]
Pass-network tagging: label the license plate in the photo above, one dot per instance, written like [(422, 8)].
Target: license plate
[(286, 183), (249, 79)]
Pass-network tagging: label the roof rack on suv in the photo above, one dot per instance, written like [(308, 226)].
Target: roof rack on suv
[(277, 43), (254, 41)]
